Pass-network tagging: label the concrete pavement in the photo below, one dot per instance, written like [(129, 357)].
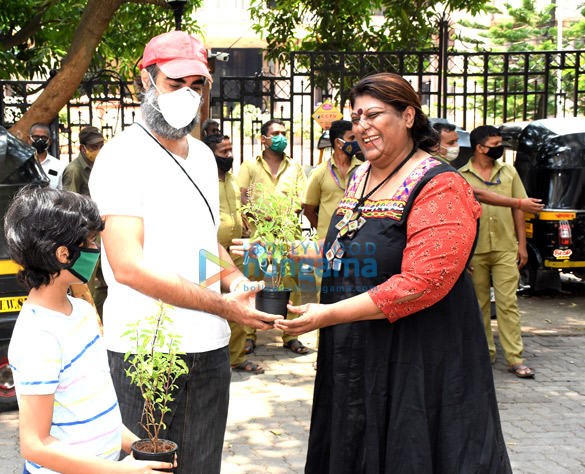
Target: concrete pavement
[(543, 419)]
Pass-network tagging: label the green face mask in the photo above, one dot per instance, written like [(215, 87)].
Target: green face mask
[(279, 143), (84, 265)]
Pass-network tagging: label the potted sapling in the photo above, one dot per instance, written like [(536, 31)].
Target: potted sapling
[(155, 366), (278, 225)]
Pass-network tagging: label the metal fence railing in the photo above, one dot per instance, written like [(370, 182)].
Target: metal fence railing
[(469, 89)]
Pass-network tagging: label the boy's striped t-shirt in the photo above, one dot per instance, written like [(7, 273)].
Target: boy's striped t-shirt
[(52, 353)]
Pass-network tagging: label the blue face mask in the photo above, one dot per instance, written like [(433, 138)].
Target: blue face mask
[(350, 148), (84, 265), (279, 143)]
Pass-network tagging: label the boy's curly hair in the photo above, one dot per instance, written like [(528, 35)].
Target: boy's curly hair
[(39, 221)]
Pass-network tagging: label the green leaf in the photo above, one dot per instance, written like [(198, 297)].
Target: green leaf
[(155, 366)]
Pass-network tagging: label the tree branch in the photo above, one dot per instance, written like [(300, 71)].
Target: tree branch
[(159, 3), (28, 30), (95, 18)]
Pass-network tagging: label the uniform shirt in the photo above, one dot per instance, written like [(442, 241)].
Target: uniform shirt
[(53, 168), (231, 225), (257, 171), (326, 191), (496, 225), (52, 353), (76, 176)]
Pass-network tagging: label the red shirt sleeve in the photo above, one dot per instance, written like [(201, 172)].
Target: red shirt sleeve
[(440, 231)]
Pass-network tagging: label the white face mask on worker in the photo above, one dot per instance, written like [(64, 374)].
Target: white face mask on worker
[(452, 152), (179, 107)]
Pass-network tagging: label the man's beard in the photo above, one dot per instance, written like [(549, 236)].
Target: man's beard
[(156, 122)]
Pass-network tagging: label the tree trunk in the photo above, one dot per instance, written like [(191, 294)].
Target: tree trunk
[(94, 21)]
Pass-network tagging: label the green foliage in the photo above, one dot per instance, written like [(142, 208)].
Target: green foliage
[(131, 28), (155, 367), (576, 33), (35, 35), (528, 29), (278, 225), (349, 25)]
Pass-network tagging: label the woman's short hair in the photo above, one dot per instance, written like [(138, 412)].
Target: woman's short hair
[(394, 90), (38, 222)]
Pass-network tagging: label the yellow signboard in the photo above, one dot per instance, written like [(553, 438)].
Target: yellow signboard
[(327, 113), (12, 304)]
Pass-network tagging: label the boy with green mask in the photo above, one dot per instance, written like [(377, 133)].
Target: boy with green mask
[(69, 416)]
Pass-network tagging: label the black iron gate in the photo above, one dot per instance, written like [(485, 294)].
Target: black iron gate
[(469, 89), (103, 100)]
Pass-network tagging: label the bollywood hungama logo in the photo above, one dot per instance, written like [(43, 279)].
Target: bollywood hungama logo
[(365, 265)]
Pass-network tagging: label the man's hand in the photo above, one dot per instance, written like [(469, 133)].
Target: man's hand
[(531, 205), (242, 246), (240, 307), (311, 215), (522, 258)]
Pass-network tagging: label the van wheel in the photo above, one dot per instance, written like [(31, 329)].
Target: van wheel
[(7, 390)]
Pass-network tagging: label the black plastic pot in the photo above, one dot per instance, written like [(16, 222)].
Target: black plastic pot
[(167, 456), (273, 301)]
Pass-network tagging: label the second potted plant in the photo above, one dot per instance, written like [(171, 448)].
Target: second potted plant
[(155, 366)]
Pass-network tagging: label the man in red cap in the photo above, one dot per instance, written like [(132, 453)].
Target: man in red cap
[(156, 187)]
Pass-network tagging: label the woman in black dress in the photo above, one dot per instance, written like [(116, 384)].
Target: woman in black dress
[(404, 381)]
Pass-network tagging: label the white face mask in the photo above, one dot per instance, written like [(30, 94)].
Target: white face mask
[(179, 107), (452, 152)]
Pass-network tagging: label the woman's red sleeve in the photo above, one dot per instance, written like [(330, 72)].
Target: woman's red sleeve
[(441, 228)]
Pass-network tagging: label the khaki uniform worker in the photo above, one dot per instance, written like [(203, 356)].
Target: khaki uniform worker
[(501, 245), (231, 227), (76, 179), (328, 181)]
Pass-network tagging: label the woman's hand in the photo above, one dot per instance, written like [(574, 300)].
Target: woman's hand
[(314, 316)]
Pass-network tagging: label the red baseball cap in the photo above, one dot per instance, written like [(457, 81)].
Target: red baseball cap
[(177, 54)]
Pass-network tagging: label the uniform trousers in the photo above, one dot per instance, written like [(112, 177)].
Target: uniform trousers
[(503, 269)]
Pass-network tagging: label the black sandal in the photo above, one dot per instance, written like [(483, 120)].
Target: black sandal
[(250, 367), (250, 346), (521, 371), (296, 346)]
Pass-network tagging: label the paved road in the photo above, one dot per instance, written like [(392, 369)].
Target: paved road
[(543, 419)]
